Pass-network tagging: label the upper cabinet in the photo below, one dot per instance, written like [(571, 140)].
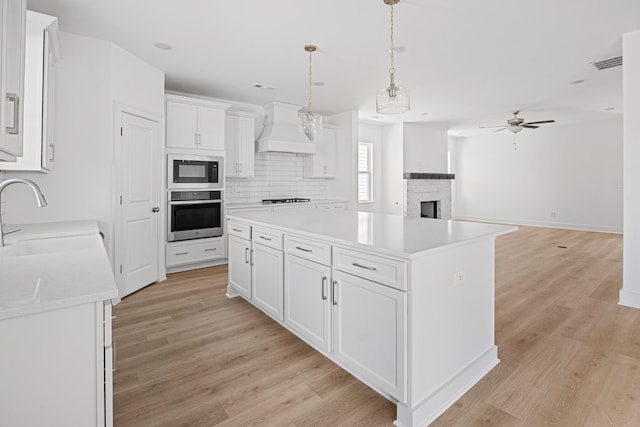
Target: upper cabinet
[(41, 53), (12, 49), (240, 145), (322, 164), (195, 123)]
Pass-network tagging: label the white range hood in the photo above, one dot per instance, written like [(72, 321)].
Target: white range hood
[(281, 132)]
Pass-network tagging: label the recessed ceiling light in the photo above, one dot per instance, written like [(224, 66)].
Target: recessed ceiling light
[(318, 83), (577, 82), (609, 108), (263, 86), (163, 46)]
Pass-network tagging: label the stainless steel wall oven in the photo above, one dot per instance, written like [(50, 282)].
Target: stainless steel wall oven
[(194, 215)]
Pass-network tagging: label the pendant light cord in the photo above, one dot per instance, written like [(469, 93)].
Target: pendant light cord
[(310, 85), (392, 70)]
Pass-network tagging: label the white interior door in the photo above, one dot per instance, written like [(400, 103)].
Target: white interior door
[(139, 202)]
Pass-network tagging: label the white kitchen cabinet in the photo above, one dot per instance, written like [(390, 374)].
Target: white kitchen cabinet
[(39, 95), (267, 277), (59, 367), (12, 51), (369, 331), (322, 164), (307, 291), (240, 145), (239, 267), (195, 251), (195, 124)]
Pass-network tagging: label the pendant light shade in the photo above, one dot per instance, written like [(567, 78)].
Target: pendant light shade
[(393, 99), (310, 122)]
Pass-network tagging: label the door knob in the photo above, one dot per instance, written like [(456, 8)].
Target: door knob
[(155, 209)]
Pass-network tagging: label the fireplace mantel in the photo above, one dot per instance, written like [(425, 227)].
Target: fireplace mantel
[(421, 175)]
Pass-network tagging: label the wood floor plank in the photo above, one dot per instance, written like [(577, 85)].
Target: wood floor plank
[(570, 355)]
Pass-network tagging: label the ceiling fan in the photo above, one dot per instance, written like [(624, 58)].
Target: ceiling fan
[(516, 124)]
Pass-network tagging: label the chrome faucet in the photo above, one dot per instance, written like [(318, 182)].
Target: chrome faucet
[(39, 197)]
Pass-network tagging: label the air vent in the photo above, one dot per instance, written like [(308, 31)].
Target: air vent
[(603, 64)]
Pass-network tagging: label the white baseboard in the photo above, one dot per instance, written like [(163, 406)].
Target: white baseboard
[(433, 406), (629, 298), (546, 224)]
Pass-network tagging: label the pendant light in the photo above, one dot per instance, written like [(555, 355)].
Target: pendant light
[(393, 99), (310, 122)]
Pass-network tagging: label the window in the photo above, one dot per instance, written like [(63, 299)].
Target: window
[(365, 156)]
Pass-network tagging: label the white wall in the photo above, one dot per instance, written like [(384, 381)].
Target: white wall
[(92, 77), (425, 148), (392, 181), (373, 134), (567, 176), (630, 293), (345, 186)]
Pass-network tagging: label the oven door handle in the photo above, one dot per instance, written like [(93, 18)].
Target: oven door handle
[(194, 202)]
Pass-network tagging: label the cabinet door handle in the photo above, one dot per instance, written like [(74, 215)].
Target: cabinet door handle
[(239, 231), (246, 255), (324, 293), (210, 249), (12, 97), (334, 293), (52, 152), (303, 249), (195, 138), (266, 238), (355, 264), (182, 253), (251, 257)]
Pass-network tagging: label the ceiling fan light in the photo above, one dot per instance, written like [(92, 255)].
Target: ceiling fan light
[(392, 100), (310, 123), (515, 128)]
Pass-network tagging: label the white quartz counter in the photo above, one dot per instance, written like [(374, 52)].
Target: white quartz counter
[(395, 235), (51, 279)]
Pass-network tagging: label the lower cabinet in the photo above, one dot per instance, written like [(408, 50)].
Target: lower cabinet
[(194, 251), (57, 367), (369, 331), (240, 265), (307, 303), (267, 280)]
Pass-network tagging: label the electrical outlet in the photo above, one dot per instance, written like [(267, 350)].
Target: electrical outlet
[(553, 214), (458, 279)]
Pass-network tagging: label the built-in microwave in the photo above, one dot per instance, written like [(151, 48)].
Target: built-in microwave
[(194, 172)]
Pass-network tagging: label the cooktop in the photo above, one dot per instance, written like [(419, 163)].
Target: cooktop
[(289, 200)]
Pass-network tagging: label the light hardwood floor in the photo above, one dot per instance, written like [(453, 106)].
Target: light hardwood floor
[(570, 356)]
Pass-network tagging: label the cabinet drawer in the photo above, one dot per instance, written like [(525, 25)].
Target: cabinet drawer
[(330, 206), (309, 249), (240, 230), (267, 237), (379, 269), (188, 253)]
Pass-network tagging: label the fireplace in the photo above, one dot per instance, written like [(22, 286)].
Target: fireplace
[(430, 209)]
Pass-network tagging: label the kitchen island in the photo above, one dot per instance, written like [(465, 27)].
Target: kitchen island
[(404, 304)]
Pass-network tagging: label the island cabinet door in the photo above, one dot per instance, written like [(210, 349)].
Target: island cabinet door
[(307, 304), (369, 326), (267, 277), (240, 265)]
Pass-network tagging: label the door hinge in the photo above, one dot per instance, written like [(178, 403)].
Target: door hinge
[(120, 131)]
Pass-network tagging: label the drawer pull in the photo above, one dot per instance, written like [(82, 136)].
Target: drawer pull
[(303, 249), (266, 238), (182, 253), (355, 264), (239, 231), (210, 249)]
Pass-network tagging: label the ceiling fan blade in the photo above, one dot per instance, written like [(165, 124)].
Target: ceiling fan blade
[(496, 126), (529, 126), (540, 122), (501, 129)]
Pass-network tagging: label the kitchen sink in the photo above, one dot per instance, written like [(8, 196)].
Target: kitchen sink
[(53, 245)]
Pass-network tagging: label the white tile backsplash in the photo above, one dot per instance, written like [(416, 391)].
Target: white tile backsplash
[(277, 175)]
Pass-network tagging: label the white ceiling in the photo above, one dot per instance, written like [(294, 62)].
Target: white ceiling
[(467, 63)]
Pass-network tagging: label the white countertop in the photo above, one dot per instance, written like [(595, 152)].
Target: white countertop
[(271, 205), (46, 281), (394, 235)]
